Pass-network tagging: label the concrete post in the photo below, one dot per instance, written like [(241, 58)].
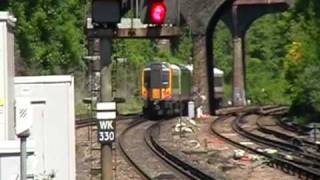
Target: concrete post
[(239, 94), (106, 95), (23, 158), (200, 75)]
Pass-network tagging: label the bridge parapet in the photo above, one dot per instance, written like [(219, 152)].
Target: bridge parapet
[(199, 13), (264, 2)]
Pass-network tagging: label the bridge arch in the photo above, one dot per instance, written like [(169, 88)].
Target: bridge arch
[(209, 50), (202, 17)]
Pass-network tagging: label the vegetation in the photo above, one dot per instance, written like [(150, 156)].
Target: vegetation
[(303, 61), (50, 34), (282, 55)]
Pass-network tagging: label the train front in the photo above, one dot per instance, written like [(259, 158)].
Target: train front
[(156, 88)]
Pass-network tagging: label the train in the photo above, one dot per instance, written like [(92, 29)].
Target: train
[(167, 88)]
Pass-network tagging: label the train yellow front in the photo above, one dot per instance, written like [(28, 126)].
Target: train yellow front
[(167, 88)]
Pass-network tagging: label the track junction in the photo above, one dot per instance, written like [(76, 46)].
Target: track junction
[(141, 146)]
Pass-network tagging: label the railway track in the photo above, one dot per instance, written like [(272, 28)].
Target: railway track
[(286, 135), (167, 166), (89, 150), (296, 152), (150, 159), (280, 160), (295, 133)]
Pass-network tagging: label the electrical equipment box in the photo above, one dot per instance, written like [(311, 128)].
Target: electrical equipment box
[(53, 123), (49, 102), (7, 23)]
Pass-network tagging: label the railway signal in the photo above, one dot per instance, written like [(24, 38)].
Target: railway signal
[(160, 12), (106, 12)]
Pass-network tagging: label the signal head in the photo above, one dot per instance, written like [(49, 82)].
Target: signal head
[(158, 12)]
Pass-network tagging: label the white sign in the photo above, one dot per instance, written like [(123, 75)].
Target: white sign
[(106, 115), (23, 116), (106, 131), (106, 125), (106, 106), (131, 23)]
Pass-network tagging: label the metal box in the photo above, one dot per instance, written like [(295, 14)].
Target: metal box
[(6, 75), (53, 127), (10, 159)]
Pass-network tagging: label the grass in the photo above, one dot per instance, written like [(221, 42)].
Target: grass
[(132, 105)]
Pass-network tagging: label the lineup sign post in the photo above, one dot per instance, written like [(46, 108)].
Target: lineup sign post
[(106, 119)]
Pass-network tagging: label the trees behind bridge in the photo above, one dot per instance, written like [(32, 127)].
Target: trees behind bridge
[(303, 61)]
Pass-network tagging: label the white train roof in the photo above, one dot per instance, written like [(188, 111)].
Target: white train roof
[(165, 65), (216, 71), (175, 67)]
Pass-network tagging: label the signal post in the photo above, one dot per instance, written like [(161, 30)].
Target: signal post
[(106, 14)]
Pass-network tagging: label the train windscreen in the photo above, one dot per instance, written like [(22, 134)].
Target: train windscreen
[(146, 78), (155, 78), (165, 79)]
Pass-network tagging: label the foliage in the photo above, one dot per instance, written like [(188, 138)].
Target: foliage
[(50, 34), (306, 102), (143, 51), (264, 87), (222, 42), (302, 63), (131, 49), (184, 47), (266, 51), (267, 40), (133, 105)]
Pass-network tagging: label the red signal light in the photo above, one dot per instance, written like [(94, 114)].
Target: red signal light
[(158, 12)]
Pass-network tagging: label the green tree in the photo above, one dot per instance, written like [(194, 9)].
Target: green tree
[(184, 47), (302, 63), (222, 49), (50, 34), (267, 41)]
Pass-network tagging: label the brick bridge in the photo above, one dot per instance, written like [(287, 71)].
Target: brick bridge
[(202, 17)]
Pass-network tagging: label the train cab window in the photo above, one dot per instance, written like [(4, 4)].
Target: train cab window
[(165, 78), (146, 79)]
